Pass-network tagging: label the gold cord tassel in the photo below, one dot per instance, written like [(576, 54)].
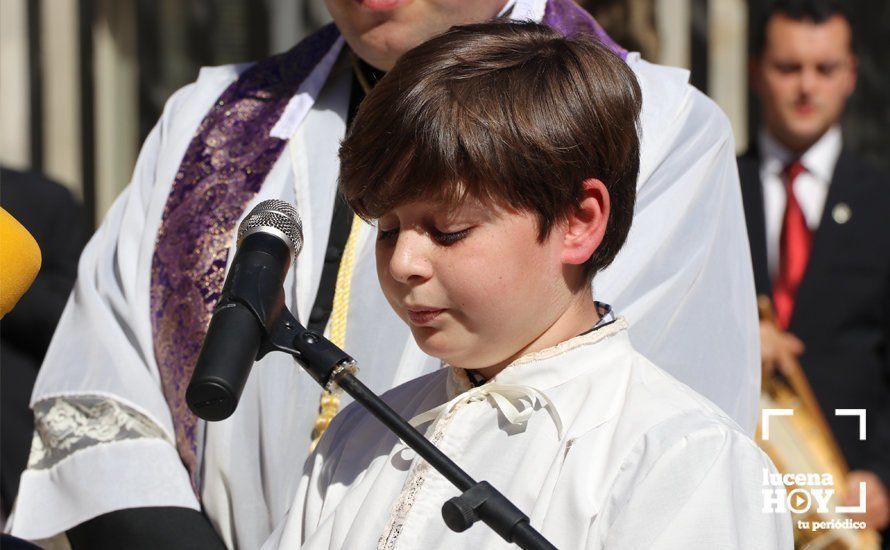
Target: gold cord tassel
[(329, 404)]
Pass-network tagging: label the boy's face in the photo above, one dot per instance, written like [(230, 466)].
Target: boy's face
[(474, 284)]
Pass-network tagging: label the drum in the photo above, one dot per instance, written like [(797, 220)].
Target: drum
[(803, 444)]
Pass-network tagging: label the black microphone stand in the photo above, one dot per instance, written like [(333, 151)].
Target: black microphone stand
[(332, 367)]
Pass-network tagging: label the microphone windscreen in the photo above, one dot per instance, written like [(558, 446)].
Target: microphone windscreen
[(19, 261)]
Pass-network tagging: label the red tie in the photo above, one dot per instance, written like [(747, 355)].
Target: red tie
[(794, 249)]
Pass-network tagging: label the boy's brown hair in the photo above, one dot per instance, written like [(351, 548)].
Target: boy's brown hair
[(511, 114)]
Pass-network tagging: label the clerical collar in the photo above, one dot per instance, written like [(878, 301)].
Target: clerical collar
[(507, 10), (366, 75)]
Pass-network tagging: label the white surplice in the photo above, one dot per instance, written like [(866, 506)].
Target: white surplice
[(683, 279), (598, 446)]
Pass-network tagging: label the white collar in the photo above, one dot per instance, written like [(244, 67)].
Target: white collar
[(507, 6), (533, 374), (820, 159), (302, 101), (526, 10)]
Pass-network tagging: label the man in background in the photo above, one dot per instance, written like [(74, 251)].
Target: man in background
[(819, 234)]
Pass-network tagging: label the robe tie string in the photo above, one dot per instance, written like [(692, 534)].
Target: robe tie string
[(516, 402)]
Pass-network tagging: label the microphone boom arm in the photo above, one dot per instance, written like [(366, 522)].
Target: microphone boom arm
[(332, 367)]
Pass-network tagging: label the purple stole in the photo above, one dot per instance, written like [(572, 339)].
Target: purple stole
[(223, 168)]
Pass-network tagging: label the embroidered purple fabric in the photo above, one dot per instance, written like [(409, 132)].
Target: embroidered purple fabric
[(223, 168)]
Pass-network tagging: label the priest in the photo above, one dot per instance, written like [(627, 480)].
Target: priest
[(116, 449)]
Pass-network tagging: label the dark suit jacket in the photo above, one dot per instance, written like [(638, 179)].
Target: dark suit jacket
[(842, 309), (55, 219)]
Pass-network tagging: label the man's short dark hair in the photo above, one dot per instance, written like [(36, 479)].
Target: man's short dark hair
[(511, 114), (816, 11)]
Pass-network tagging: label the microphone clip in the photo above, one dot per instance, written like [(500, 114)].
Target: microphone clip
[(324, 361)]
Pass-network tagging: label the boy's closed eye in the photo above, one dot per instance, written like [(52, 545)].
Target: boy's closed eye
[(444, 238), (450, 238), (384, 234)]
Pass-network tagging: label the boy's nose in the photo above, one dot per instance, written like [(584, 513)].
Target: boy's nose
[(409, 259)]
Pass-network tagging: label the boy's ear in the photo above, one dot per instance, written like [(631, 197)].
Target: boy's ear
[(585, 225)]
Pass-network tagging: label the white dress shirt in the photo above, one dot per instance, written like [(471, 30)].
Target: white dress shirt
[(810, 187)]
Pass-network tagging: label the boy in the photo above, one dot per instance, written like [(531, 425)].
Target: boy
[(499, 162)]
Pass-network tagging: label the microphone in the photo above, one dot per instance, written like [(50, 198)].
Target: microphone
[(269, 240), (19, 261)]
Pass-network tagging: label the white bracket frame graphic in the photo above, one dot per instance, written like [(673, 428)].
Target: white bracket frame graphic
[(766, 414), (854, 412), (854, 509)]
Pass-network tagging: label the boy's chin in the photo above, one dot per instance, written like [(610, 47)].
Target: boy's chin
[(432, 342), (448, 350), (436, 343)]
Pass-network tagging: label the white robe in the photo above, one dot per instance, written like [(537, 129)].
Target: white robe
[(683, 278), (615, 454)]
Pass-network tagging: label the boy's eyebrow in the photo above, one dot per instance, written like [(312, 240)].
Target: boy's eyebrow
[(443, 210)]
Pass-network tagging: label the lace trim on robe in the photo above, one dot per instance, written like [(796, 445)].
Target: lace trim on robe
[(412, 488), (65, 425)]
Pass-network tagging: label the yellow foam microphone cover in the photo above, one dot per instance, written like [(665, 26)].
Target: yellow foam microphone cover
[(19, 261)]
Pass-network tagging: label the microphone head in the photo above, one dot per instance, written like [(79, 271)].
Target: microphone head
[(278, 218), (19, 261)]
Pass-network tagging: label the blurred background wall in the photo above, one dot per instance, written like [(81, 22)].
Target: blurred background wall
[(82, 82)]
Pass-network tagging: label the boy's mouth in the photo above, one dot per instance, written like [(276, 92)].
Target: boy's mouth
[(420, 315)]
